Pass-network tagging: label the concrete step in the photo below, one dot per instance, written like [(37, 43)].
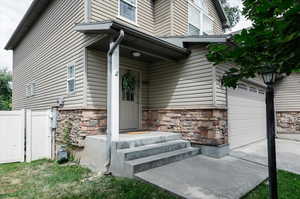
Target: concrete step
[(153, 149), (143, 164), (146, 140)]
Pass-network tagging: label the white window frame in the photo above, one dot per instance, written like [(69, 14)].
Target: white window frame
[(71, 78), (30, 89), (124, 18), (202, 11)]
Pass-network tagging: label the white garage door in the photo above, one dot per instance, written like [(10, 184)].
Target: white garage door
[(246, 115)]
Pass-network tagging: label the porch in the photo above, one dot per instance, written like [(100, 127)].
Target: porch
[(134, 153), (127, 55), (173, 91), (153, 91)]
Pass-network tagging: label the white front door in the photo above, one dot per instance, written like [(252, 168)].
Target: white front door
[(246, 115), (129, 99)]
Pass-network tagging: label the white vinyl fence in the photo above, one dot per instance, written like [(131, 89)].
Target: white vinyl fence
[(25, 135), (12, 126)]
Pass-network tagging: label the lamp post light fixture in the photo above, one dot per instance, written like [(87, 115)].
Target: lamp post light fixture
[(269, 79)]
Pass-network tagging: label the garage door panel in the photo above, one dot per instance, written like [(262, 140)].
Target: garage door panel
[(246, 117)]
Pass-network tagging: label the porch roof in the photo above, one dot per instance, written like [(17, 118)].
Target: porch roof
[(136, 39), (197, 39)]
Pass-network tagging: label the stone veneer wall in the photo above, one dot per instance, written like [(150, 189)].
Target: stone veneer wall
[(82, 123), (288, 122), (200, 126)]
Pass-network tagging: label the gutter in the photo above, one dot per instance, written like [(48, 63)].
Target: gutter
[(112, 26), (108, 132)]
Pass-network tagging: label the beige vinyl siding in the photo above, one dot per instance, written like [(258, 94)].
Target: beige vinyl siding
[(184, 84), (287, 93), (159, 17), (212, 12), (102, 10), (221, 91), (217, 24), (162, 17), (180, 17), (97, 75), (43, 55)]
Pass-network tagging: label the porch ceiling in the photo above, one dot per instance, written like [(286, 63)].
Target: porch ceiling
[(152, 48)]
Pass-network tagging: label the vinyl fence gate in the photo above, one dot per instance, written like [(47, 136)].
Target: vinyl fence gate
[(25, 135)]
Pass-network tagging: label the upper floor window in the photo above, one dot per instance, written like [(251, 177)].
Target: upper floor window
[(128, 10), (202, 4), (199, 20), (71, 79)]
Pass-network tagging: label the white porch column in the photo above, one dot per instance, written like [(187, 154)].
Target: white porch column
[(113, 94)]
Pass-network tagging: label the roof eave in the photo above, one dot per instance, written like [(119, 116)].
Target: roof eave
[(221, 13), (113, 26), (36, 8)]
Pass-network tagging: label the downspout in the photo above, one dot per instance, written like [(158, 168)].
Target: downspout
[(108, 132)]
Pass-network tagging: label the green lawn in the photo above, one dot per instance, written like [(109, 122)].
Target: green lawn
[(45, 179), (288, 187)]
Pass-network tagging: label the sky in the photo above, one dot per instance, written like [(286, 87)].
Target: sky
[(12, 11)]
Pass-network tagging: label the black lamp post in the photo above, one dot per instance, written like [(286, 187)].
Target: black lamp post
[(269, 79)]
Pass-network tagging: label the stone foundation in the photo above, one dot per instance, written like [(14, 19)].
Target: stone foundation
[(288, 122), (207, 127), (78, 124)]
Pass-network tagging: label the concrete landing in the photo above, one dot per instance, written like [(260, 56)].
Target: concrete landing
[(207, 178)]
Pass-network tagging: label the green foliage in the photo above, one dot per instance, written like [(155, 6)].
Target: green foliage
[(67, 136), (128, 82), (271, 44), (288, 187), (232, 13), (45, 179), (5, 90)]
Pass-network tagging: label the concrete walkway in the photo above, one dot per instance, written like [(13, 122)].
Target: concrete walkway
[(230, 177), (207, 178), (288, 154)]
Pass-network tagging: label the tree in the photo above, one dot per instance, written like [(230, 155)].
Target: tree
[(232, 13), (272, 43), (5, 90), (271, 46)]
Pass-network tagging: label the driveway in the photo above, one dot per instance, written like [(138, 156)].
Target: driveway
[(288, 154)]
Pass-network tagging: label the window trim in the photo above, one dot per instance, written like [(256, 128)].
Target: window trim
[(72, 78), (124, 18), (202, 13), (30, 89)]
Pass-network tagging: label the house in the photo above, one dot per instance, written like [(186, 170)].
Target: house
[(134, 65), (287, 97)]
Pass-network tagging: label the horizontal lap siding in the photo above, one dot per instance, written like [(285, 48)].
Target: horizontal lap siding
[(212, 12), (187, 83), (221, 91), (162, 17), (43, 55), (180, 17), (217, 25), (96, 79), (287, 93), (108, 10), (96, 76)]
